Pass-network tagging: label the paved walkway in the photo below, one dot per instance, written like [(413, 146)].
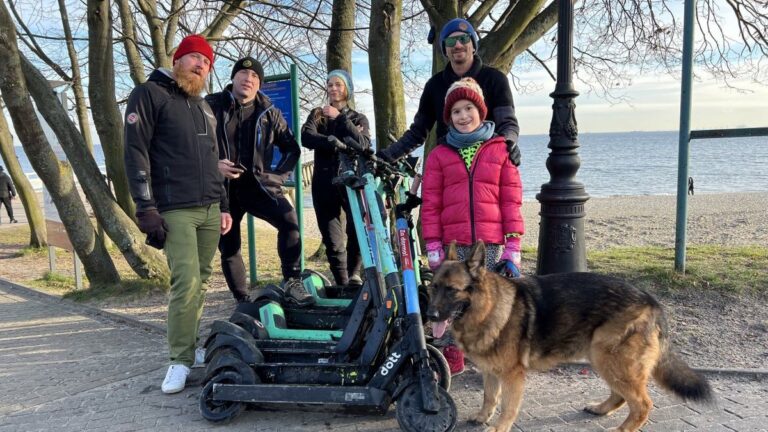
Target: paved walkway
[(66, 367)]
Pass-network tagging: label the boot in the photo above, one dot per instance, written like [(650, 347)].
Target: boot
[(294, 291), (455, 358)]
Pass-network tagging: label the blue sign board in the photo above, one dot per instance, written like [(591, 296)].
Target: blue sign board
[(279, 91)]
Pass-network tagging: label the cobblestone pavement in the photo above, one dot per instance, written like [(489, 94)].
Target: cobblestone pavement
[(66, 367)]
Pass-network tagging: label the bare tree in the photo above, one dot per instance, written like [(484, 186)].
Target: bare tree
[(384, 62), (37, 233), (57, 176), (339, 47), (147, 262), (101, 90)]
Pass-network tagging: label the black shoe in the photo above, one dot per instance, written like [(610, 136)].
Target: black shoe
[(244, 299), (295, 292), (14, 221), (355, 281)]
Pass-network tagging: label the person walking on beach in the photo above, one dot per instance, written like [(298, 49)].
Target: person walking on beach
[(250, 130), (471, 190), (340, 120), (690, 185), (459, 43), (171, 160), (7, 193)]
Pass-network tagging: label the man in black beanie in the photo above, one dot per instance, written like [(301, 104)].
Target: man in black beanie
[(249, 130)]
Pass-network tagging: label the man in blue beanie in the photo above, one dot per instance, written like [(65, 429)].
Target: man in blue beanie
[(459, 43)]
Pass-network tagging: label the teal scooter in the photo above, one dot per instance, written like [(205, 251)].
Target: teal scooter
[(381, 360)]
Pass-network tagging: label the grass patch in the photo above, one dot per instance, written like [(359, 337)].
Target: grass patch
[(128, 288), (18, 234), (54, 283), (739, 270)]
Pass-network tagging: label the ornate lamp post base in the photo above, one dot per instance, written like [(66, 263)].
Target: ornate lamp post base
[(561, 233)]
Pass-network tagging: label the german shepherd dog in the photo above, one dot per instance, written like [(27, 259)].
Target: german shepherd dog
[(508, 326)]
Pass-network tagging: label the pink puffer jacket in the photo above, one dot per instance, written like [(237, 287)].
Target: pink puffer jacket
[(489, 209)]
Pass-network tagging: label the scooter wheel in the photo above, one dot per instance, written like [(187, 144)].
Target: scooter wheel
[(220, 411), (411, 417), (230, 362), (439, 364)]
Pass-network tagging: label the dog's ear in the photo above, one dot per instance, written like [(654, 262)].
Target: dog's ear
[(476, 259), (452, 254)]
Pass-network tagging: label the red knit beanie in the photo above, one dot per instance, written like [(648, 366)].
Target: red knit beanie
[(464, 89), (194, 43)]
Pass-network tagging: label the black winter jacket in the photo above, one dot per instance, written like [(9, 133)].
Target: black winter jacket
[(271, 131), (498, 99), (315, 132), (171, 157), (6, 186)]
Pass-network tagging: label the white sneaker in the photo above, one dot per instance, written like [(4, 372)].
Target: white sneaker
[(175, 379), (199, 358)]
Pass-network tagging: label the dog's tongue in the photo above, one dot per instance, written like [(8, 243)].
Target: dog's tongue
[(438, 328)]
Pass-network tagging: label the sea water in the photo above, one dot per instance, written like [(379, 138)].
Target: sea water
[(626, 163)]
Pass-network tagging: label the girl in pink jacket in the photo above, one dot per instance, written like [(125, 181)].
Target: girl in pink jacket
[(471, 191)]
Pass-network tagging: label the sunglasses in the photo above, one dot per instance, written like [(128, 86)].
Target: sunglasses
[(450, 41)]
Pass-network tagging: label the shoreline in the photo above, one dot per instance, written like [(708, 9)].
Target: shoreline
[(729, 218)]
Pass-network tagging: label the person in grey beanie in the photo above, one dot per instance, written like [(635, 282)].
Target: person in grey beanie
[(339, 119)]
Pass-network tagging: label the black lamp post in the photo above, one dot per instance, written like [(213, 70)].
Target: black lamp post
[(561, 235)]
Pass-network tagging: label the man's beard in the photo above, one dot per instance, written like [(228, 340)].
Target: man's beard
[(190, 82)]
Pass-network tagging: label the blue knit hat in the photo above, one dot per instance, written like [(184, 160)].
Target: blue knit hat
[(458, 25), (347, 79)]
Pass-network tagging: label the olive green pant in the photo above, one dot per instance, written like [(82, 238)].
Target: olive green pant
[(191, 241)]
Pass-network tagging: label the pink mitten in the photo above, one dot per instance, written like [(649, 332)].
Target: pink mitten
[(512, 251), (435, 254)]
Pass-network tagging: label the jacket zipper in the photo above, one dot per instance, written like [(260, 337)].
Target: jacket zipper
[(199, 157), (471, 191), (256, 147)]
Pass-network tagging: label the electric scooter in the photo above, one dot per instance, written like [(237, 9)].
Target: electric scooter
[(385, 360)]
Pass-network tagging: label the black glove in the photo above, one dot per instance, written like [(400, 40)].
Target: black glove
[(514, 152), (153, 225), (385, 156)]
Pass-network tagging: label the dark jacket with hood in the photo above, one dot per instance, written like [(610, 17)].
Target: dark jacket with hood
[(6, 185), (270, 131), (171, 157), (498, 99), (315, 132)]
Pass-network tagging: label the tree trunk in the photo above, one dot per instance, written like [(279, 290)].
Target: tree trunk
[(147, 262), (77, 83), (57, 176), (37, 235), (338, 53), (384, 62), (101, 90), (130, 42)]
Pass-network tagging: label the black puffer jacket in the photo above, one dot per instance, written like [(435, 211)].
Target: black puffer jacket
[(271, 131), (315, 132), (171, 157)]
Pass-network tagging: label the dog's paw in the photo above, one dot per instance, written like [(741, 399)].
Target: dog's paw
[(491, 429), (480, 418), (594, 409)]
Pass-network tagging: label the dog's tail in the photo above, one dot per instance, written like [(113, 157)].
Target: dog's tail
[(675, 375)]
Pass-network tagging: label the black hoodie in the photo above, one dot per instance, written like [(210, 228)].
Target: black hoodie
[(171, 157)]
